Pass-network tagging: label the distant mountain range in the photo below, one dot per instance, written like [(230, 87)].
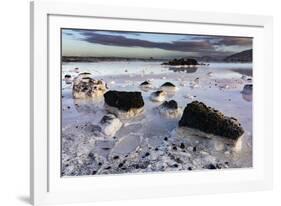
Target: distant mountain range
[(98, 59), (244, 56)]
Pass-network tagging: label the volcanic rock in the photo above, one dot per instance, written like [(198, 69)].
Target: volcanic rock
[(199, 116), (168, 87), (84, 86), (110, 124), (182, 62), (248, 89), (146, 85), (158, 96), (169, 109), (128, 103)]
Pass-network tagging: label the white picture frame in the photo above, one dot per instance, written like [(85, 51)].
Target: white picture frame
[(46, 184)]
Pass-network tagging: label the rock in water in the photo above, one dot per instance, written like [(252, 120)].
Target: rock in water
[(172, 104), (146, 85), (158, 96), (199, 116), (84, 86), (248, 89), (124, 104), (110, 124), (67, 79), (169, 109), (168, 87), (182, 62)]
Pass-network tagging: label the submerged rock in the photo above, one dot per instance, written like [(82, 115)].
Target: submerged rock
[(84, 86), (125, 104), (110, 124), (199, 116), (126, 145), (169, 109), (158, 96)]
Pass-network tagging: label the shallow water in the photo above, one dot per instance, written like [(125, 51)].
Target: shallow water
[(220, 86)]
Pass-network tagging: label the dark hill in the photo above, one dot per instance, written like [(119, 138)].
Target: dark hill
[(244, 56)]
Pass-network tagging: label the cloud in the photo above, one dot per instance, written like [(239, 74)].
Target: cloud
[(233, 41), (67, 33), (119, 40), (202, 45)]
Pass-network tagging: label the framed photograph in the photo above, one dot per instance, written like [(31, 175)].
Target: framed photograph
[(126, 105)]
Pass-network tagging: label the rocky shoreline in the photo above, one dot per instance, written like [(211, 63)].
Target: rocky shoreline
[(103, 148)]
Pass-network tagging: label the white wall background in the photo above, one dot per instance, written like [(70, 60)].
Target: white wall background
[(14, 100)]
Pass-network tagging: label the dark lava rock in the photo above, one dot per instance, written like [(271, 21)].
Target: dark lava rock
[(182, 146), (144, 83), (84, 73), (248, 89), (107, 118), (168, 84), (197, 115), (211, 167), (116, 157), (182, 61), (124, 100), (172, 104)]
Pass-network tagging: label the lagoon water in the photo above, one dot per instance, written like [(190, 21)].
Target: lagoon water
[(220, 86)]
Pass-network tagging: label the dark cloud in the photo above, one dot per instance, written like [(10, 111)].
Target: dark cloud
[(67, 33), (119, 40), (232, 41), (202, 45)]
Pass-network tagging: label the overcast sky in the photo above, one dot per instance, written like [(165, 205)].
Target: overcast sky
[(144, 45)]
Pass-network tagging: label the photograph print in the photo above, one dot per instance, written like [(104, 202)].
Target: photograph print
[(139, 102)]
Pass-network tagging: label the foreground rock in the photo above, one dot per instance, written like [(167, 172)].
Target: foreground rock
[(198, 116), (84, 86), (110, 124), (169, 109), (158, 96), (124, 104)]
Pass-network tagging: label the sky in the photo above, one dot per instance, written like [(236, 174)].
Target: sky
[(78, 42)]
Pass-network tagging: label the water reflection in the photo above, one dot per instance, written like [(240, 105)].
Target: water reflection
[(247, 92), (184, 69), (247, 97), (86, 106)]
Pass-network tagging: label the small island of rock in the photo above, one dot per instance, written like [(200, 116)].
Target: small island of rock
[(182, 62)]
